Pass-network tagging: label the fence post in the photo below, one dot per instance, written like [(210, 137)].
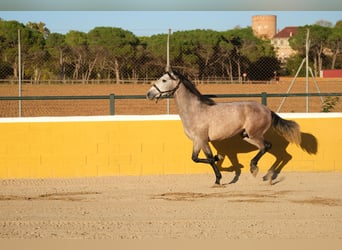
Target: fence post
[(264, 98), (112, 104)]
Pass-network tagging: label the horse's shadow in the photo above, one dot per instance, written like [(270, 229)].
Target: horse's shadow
[(235, 145)]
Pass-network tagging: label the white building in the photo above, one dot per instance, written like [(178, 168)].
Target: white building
[(281, 43)]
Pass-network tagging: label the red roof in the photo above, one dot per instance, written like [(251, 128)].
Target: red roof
[(286, 32)]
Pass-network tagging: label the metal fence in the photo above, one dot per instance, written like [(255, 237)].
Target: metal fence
[(112, 99)]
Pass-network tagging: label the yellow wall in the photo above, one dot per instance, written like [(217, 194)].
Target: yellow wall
[(32, 148)]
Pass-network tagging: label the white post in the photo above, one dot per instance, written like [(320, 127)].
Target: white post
[(19, 71), (168, 68), (307, 44), (168, 51)]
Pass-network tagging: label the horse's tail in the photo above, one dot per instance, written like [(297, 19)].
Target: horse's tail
[(290, 130)]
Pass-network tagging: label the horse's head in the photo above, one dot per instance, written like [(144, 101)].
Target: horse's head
[(164, 86)]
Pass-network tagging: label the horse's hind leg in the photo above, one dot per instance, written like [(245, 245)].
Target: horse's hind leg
[(263, 146), (277, 166)]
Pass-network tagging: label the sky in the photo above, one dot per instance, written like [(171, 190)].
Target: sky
[(181, 5), (147, 23)]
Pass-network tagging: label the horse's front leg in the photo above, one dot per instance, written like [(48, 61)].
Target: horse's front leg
[(209, 160)]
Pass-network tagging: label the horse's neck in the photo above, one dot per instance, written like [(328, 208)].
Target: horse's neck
[(188, 104)]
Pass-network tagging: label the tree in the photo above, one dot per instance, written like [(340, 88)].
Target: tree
[(293, 63), (9, 44), (120, 46), (338, 24), (264, 68), (40, 27), (34, 54), (232, 45), (57, 47), (335, 43), (146, 64), (155, 51), (227, 50), (32, 49), (324, 23), (78, 56), (318, 42), (247, 50), (197, 48)]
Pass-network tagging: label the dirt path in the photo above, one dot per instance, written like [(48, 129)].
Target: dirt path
[(298, 206)]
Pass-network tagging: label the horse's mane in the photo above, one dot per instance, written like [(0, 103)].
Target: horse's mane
[(192, 88)]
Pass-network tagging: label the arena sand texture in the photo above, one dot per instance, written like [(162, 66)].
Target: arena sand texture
[(298, 205)]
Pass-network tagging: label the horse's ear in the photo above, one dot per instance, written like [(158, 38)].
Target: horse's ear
[(171, 74)]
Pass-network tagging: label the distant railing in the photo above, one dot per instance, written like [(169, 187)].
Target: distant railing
[(112, 97)]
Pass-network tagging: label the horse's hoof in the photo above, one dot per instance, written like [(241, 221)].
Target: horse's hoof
[(218, 186), (268, 176), (218, 157), (255, 171)]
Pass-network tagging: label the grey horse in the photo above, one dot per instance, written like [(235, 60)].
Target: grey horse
[(204, 120)]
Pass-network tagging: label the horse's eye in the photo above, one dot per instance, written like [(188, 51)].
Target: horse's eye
[(164, 80)]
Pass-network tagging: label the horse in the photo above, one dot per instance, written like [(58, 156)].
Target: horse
[(205, 120)]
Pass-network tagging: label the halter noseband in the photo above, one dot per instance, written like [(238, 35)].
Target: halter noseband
[(167, 92)]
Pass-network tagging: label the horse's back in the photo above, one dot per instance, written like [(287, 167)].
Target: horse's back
[(228, 119), (245, 108)]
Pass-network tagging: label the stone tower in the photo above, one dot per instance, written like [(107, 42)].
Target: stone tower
[(264, 26)]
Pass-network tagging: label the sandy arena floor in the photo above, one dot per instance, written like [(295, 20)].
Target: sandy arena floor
[(296, 206)]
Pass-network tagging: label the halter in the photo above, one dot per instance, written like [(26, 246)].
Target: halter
[(167, 92)]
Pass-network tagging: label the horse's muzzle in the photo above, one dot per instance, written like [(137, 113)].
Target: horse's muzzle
[(151, 94)]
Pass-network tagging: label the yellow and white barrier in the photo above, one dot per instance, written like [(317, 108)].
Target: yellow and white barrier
[(144, 145)]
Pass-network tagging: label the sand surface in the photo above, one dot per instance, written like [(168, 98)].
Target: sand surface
[(296, 206)]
